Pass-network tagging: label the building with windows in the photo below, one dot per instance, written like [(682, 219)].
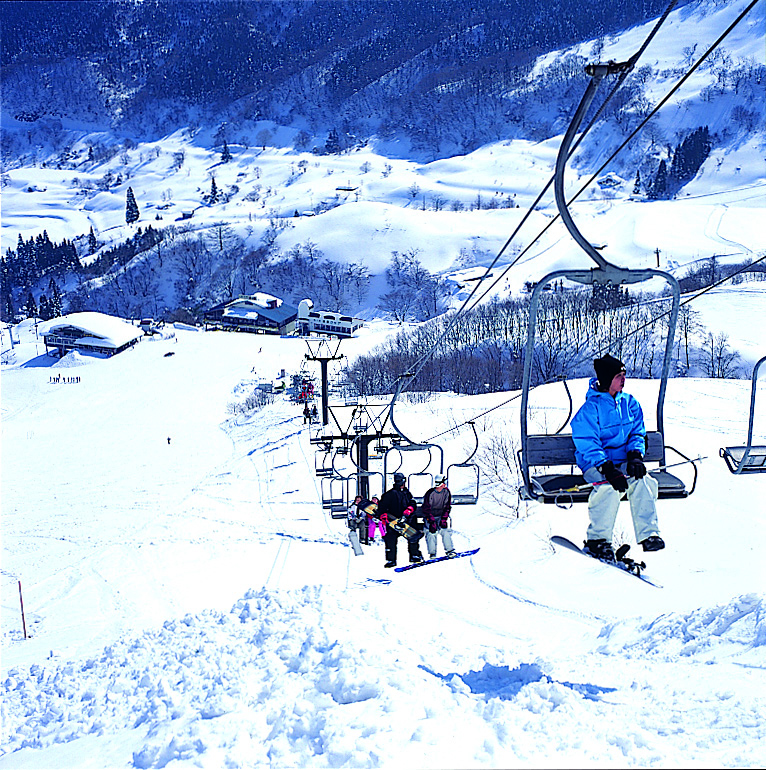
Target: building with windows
[(260, 313), (312, 321), (89, 333)]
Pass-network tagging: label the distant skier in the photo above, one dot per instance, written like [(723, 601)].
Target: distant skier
[(306, 414), (398, 503), (437, 504), (610, 438)]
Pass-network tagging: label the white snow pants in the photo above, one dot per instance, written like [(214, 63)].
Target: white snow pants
[(604, 502), (431, 540)]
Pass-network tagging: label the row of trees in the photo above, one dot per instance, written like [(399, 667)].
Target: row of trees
[(483, 349)]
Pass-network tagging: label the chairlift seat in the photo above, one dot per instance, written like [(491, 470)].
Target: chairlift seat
[(558, 450), (464, 497), (754, 463), (460, 499)]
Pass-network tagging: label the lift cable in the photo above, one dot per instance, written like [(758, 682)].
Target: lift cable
[(623, 71), (619, 149)]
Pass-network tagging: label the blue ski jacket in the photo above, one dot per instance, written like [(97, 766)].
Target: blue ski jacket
[(607, 428)]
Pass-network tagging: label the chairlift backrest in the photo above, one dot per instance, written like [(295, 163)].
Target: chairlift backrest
[(464, 497), (748, 458)]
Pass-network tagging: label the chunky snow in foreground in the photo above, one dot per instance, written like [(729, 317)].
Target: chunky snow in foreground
[(291, 678), (189, 603)]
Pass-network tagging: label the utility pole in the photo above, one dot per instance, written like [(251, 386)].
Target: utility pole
[(657, 253)]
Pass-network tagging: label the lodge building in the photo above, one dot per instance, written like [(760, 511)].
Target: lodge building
[(89, 333)]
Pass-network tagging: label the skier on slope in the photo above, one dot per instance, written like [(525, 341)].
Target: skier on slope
[(398, 503), (437, 504), (610, 438)]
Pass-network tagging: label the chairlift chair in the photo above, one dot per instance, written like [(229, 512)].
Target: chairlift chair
[(402, 449), (323, 461), (748, 458), (558, 450), (335, 496), (464, 497), (403, 445)]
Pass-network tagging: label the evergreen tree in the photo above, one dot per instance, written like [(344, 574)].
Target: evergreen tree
[(31, 306), (225, 153), (332, 145), (660, 184), (6, 283), (637, 184), (131, 207), (213, 197), (45, 308), (92, 242), (54, 303), (689, 156)]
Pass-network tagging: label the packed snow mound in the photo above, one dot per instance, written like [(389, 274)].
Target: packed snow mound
[(76, 358), (733, 628)]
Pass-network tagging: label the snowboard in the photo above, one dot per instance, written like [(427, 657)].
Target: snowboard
[(353, 538), (623, 563), (438, 558), (404, 529)]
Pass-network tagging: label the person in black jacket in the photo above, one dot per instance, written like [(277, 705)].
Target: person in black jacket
[(398, 503)]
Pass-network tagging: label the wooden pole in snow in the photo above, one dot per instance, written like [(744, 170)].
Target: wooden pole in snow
[(23, 619)]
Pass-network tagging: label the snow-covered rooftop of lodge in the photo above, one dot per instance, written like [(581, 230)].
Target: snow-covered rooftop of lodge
[(106, 330)]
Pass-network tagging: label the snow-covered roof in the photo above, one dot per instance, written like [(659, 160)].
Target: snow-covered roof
[(279, 314), (98, 328), (259, 299)]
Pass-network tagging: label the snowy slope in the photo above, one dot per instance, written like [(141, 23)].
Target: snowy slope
[(189, 602)]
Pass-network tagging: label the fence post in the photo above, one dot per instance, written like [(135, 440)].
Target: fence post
[(23, 619)]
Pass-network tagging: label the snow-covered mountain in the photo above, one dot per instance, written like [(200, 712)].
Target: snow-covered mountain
[(381, 197)]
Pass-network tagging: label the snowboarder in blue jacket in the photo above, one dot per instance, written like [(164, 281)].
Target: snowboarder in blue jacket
[(610, 438)]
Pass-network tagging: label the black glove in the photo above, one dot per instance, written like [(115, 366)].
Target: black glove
[(614, 477), (635, 466), (432, 527), (444, 523)]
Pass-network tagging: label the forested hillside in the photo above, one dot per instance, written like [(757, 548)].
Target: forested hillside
[(429, 69)]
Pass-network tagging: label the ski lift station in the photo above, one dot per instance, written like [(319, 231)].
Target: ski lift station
[(266, 314), (89, 333)]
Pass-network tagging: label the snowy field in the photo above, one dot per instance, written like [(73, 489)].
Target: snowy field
[(189, 603)]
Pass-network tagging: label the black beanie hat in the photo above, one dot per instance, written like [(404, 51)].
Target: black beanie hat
[(606, 368)]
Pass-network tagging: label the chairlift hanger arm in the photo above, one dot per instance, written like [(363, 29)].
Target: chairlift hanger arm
[(399, 387), (597, 73), (475, 446)]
